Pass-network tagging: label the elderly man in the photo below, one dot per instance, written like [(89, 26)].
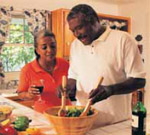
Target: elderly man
[(100, 51)]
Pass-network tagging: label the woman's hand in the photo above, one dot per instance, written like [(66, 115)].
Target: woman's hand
[(33, 91)]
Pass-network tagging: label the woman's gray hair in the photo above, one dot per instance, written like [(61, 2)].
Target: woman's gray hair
[(40, 34)]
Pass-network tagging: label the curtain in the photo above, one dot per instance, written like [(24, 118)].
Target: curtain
[(5, 18), (36, 20)]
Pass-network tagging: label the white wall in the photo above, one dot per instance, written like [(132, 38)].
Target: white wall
[(140, 24), (55, 4)]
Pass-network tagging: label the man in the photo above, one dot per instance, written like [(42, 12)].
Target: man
[(101, 52)]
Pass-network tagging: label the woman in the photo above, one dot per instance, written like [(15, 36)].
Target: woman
[(45, 67)]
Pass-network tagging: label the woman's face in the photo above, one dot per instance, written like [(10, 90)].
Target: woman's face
[(46, 48)]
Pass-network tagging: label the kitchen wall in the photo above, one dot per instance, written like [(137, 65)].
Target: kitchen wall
[(54, 4), (140, 24)]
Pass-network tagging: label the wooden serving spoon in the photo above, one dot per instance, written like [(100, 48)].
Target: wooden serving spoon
[(62, 110), (89, 103)]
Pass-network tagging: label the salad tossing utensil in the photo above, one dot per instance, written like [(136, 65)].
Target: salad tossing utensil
[(62, 110), (89, 103)]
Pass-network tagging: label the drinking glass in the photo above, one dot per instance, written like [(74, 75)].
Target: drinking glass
[(40, 86)]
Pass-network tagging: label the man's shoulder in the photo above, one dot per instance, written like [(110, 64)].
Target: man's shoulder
[(122, 35), (75, 41), (76, 44), (119, 32)]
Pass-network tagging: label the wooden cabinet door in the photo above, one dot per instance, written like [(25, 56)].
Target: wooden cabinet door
[(57, 29), (61, 30), (68, 37)]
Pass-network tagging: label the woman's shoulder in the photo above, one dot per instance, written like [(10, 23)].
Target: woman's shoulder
[(27, 66), (62, 62)]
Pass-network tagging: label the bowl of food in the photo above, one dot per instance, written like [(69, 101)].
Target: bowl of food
[(72, 123), (5, 112)]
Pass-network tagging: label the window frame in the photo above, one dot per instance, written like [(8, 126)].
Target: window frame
[(21, 16)]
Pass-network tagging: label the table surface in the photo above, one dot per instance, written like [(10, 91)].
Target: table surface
[(40, 121), (8, 92)]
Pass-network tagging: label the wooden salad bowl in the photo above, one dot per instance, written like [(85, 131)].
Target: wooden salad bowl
[(70, 125)]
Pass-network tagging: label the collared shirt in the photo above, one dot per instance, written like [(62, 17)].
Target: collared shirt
[(32, 72), (115, 56)]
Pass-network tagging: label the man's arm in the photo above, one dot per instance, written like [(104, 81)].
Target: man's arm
[(128, 86)]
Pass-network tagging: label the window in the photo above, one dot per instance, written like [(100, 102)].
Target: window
[(18, 49)]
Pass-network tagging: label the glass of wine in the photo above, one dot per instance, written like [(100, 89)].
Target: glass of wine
[(40, 87)]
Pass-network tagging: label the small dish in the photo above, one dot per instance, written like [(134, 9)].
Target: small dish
[(5, 112)]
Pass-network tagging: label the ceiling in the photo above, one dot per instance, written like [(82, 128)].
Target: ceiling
[(118, 1)]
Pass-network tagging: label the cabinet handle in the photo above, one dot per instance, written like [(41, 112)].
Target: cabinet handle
[(68, 43)]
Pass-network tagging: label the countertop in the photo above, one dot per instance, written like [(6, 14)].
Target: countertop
[(8, 92), (40, 121)]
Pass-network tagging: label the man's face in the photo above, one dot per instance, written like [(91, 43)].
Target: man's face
[(82, 29)]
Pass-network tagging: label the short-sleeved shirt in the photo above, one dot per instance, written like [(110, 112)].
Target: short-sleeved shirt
[(115, 56), (32, 72)]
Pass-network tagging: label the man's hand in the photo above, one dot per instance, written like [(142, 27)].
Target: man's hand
[(100, 93), (71, 89)]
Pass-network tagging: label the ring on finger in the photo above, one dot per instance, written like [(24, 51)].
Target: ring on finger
[(30, 91)]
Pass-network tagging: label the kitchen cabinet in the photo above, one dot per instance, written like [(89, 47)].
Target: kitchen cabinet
[(61, 30), (116, 22)]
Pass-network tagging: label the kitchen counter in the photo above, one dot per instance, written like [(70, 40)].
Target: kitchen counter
[(122, 128), (8, 92), (39, 121)]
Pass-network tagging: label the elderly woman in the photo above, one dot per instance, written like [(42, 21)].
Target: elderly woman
[(45, 67)]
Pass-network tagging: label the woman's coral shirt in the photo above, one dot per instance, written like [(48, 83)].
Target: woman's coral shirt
[(32, 72)]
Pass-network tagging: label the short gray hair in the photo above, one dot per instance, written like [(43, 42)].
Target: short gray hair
[(40, 34)]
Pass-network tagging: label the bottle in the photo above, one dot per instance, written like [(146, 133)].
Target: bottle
[(139, 117)]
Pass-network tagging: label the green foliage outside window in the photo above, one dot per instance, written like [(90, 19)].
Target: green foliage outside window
[(19, 49), (15, 57)]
